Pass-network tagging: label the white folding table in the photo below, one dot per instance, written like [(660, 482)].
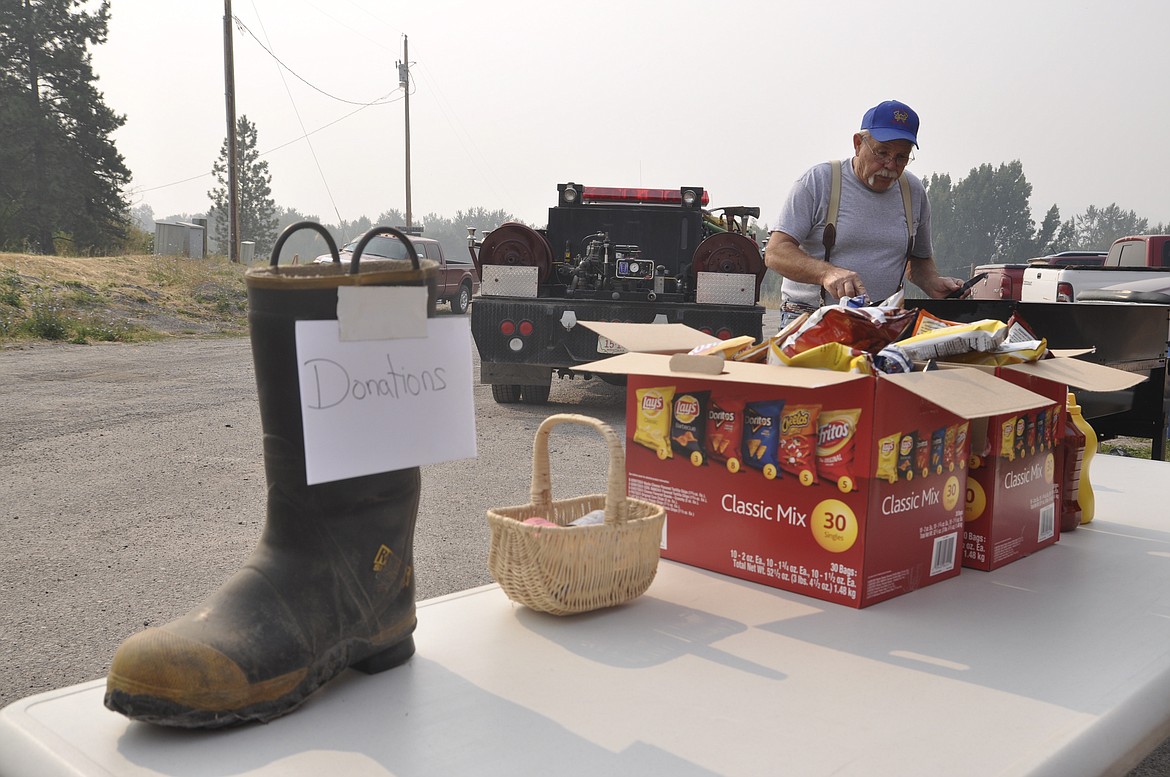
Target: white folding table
[(1057, 664)]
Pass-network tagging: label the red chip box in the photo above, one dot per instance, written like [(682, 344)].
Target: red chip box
[(1013, 498), (845, 487)]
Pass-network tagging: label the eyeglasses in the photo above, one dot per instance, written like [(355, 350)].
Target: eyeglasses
[(885, 157)]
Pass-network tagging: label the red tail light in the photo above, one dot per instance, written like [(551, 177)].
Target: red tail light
[(526, 328), (723, 334), (507, 328), (1064, 292)]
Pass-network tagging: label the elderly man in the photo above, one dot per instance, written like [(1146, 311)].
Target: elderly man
[(860, 228)]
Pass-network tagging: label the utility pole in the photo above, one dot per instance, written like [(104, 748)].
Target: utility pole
[(229, 78), (404, 82)]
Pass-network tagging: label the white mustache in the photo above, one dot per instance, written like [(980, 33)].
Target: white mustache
[(883, 173)]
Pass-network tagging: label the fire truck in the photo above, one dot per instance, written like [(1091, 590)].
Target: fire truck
[(608, 254)]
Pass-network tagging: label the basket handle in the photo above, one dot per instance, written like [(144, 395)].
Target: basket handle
[(291, 228), (615, 495), (370, 234)]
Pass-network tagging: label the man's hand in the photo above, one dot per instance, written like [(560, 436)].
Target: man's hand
[(923, 273), (783, 254), (839, 282), (940, 286)]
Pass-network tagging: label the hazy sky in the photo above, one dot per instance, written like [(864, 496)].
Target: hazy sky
[(510, 98)]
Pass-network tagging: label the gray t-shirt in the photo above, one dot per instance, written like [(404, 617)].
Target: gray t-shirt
[(871, 230)]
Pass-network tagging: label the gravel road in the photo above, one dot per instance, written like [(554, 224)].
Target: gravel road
[(133, 485)]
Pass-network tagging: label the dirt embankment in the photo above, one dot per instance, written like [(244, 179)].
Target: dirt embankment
[(118, 298)]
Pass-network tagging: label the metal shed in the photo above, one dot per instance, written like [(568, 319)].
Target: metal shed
[(180, 238)]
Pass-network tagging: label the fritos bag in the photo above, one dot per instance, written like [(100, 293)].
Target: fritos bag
[(836, 440)]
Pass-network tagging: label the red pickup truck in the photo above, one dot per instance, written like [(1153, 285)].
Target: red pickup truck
[(458, 280)]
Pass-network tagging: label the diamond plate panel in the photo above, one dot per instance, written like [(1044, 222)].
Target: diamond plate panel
[(726, 288), (500, 281)]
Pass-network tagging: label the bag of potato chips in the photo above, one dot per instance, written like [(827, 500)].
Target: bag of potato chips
[(725, 431), (688, 425), (655, 406), (761, 436), (798, 441), (836, 440)]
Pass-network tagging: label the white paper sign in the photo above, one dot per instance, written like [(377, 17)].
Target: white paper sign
[(381, 312), (379, 405)]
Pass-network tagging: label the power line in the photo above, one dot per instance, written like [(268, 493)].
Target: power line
[(386, 99), (356, 31), (312, 86), (301, 122), (287, 143), (461, 135)]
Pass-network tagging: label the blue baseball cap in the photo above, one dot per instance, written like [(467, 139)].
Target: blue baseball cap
[(891, 120)]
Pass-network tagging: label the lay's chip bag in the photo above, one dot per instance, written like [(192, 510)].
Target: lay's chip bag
[(907, 447), (887, 457), (688, 426), (1007, 439), (655, 407)]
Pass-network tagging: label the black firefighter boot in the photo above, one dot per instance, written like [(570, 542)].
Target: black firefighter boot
[(330, 584)]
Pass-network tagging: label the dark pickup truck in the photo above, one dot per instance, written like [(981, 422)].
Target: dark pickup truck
[(458, 279)]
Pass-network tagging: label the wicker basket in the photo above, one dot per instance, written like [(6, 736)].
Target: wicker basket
[(566, 569)]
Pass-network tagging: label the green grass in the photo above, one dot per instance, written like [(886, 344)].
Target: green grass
[(1127, 446), (10, 288), (119, 299), (46, 317)]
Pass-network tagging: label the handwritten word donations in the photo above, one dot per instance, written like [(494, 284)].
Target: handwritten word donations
[(332, 384)]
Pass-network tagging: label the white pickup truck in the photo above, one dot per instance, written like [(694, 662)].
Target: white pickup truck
[(1137, 268)]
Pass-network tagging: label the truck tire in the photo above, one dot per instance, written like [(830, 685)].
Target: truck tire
[(506, 393), (462, 300), (535, 395)]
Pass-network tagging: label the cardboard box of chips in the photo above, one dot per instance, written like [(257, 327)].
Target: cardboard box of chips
[(1012, 491), (844, 487)]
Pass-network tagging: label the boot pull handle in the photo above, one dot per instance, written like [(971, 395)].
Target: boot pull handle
[(287, 233), (370, 235)]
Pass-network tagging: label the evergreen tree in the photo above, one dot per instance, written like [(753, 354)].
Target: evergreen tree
[(302, 246), (62, 175), (452, 232), (1097, 228), (986, 217), (1048, 234), (944, 232), (258, 221)]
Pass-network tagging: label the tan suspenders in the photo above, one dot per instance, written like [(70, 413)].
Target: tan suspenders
[(830, 236)]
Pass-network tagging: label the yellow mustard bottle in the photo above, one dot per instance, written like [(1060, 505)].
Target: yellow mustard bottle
[(1085, 492)]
